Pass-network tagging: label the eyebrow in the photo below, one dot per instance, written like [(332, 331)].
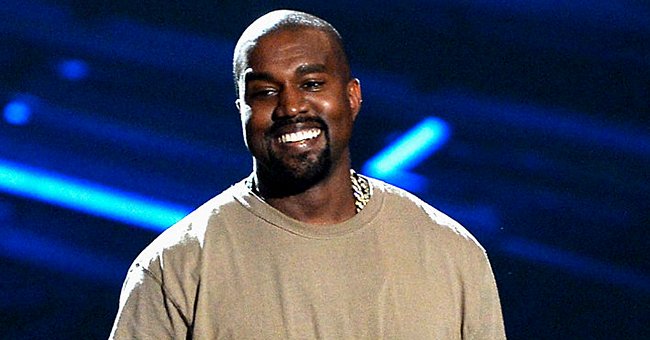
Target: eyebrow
[(310, 68), (252, 76), (300, 70)]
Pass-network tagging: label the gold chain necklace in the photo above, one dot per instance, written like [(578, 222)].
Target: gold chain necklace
[(360, 190)]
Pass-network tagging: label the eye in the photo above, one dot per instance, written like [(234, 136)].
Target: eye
[(313, 85), (262, 93)]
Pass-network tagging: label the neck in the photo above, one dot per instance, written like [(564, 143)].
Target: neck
[(328, 201)]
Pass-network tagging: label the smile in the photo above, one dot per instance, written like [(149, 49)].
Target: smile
[(299, 136)]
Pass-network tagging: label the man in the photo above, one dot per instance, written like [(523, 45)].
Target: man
[(305, 247)]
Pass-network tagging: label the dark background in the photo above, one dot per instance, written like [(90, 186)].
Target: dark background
[(547, 162)]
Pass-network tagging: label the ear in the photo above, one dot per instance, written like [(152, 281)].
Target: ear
[(354, 96), (238, 104)]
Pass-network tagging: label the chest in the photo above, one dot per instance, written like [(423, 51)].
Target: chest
[(361, 287)]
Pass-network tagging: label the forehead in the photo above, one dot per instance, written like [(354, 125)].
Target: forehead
[(289, 48)]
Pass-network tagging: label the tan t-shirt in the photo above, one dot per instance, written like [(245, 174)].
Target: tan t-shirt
[(237, 268)]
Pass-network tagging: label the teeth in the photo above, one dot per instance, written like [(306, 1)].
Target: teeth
[(299, 136)]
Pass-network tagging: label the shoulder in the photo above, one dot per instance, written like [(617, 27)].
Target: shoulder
[(181, 244), (419, 217)]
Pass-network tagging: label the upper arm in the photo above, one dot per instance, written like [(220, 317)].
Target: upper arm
[(146, 310), (482, 317)]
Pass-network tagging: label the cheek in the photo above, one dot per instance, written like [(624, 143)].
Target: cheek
[(340, 118), (254, 126), (251, 132), (252, 129)]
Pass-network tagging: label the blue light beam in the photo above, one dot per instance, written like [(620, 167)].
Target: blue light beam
[(394, 162), (88, 197), (40, 251), (575, 263)]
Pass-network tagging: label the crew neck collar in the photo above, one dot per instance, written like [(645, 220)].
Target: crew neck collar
[(269, 214)]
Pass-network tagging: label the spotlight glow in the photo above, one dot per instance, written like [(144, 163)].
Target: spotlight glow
[(394, 162), (88, 197), (17, 112), (73, 69)]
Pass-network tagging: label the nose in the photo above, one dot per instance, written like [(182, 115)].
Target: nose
[(291, 103)]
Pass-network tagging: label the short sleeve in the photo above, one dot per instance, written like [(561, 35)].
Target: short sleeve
[(146, 309), (482, 315)]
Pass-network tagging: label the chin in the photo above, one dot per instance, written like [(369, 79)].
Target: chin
[(295, 175)]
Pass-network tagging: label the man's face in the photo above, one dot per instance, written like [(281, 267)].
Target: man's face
[(297, 105)]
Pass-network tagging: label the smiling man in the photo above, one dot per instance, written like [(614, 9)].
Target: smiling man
[(298, 104), (305, 247)]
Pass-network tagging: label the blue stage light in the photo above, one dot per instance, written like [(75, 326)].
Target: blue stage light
[(88, 197), (40, 251), (575, 263), (73, 69), (409, 150), (17, 112)]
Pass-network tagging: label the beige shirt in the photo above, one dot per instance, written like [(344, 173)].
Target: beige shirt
[(237, 268)]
